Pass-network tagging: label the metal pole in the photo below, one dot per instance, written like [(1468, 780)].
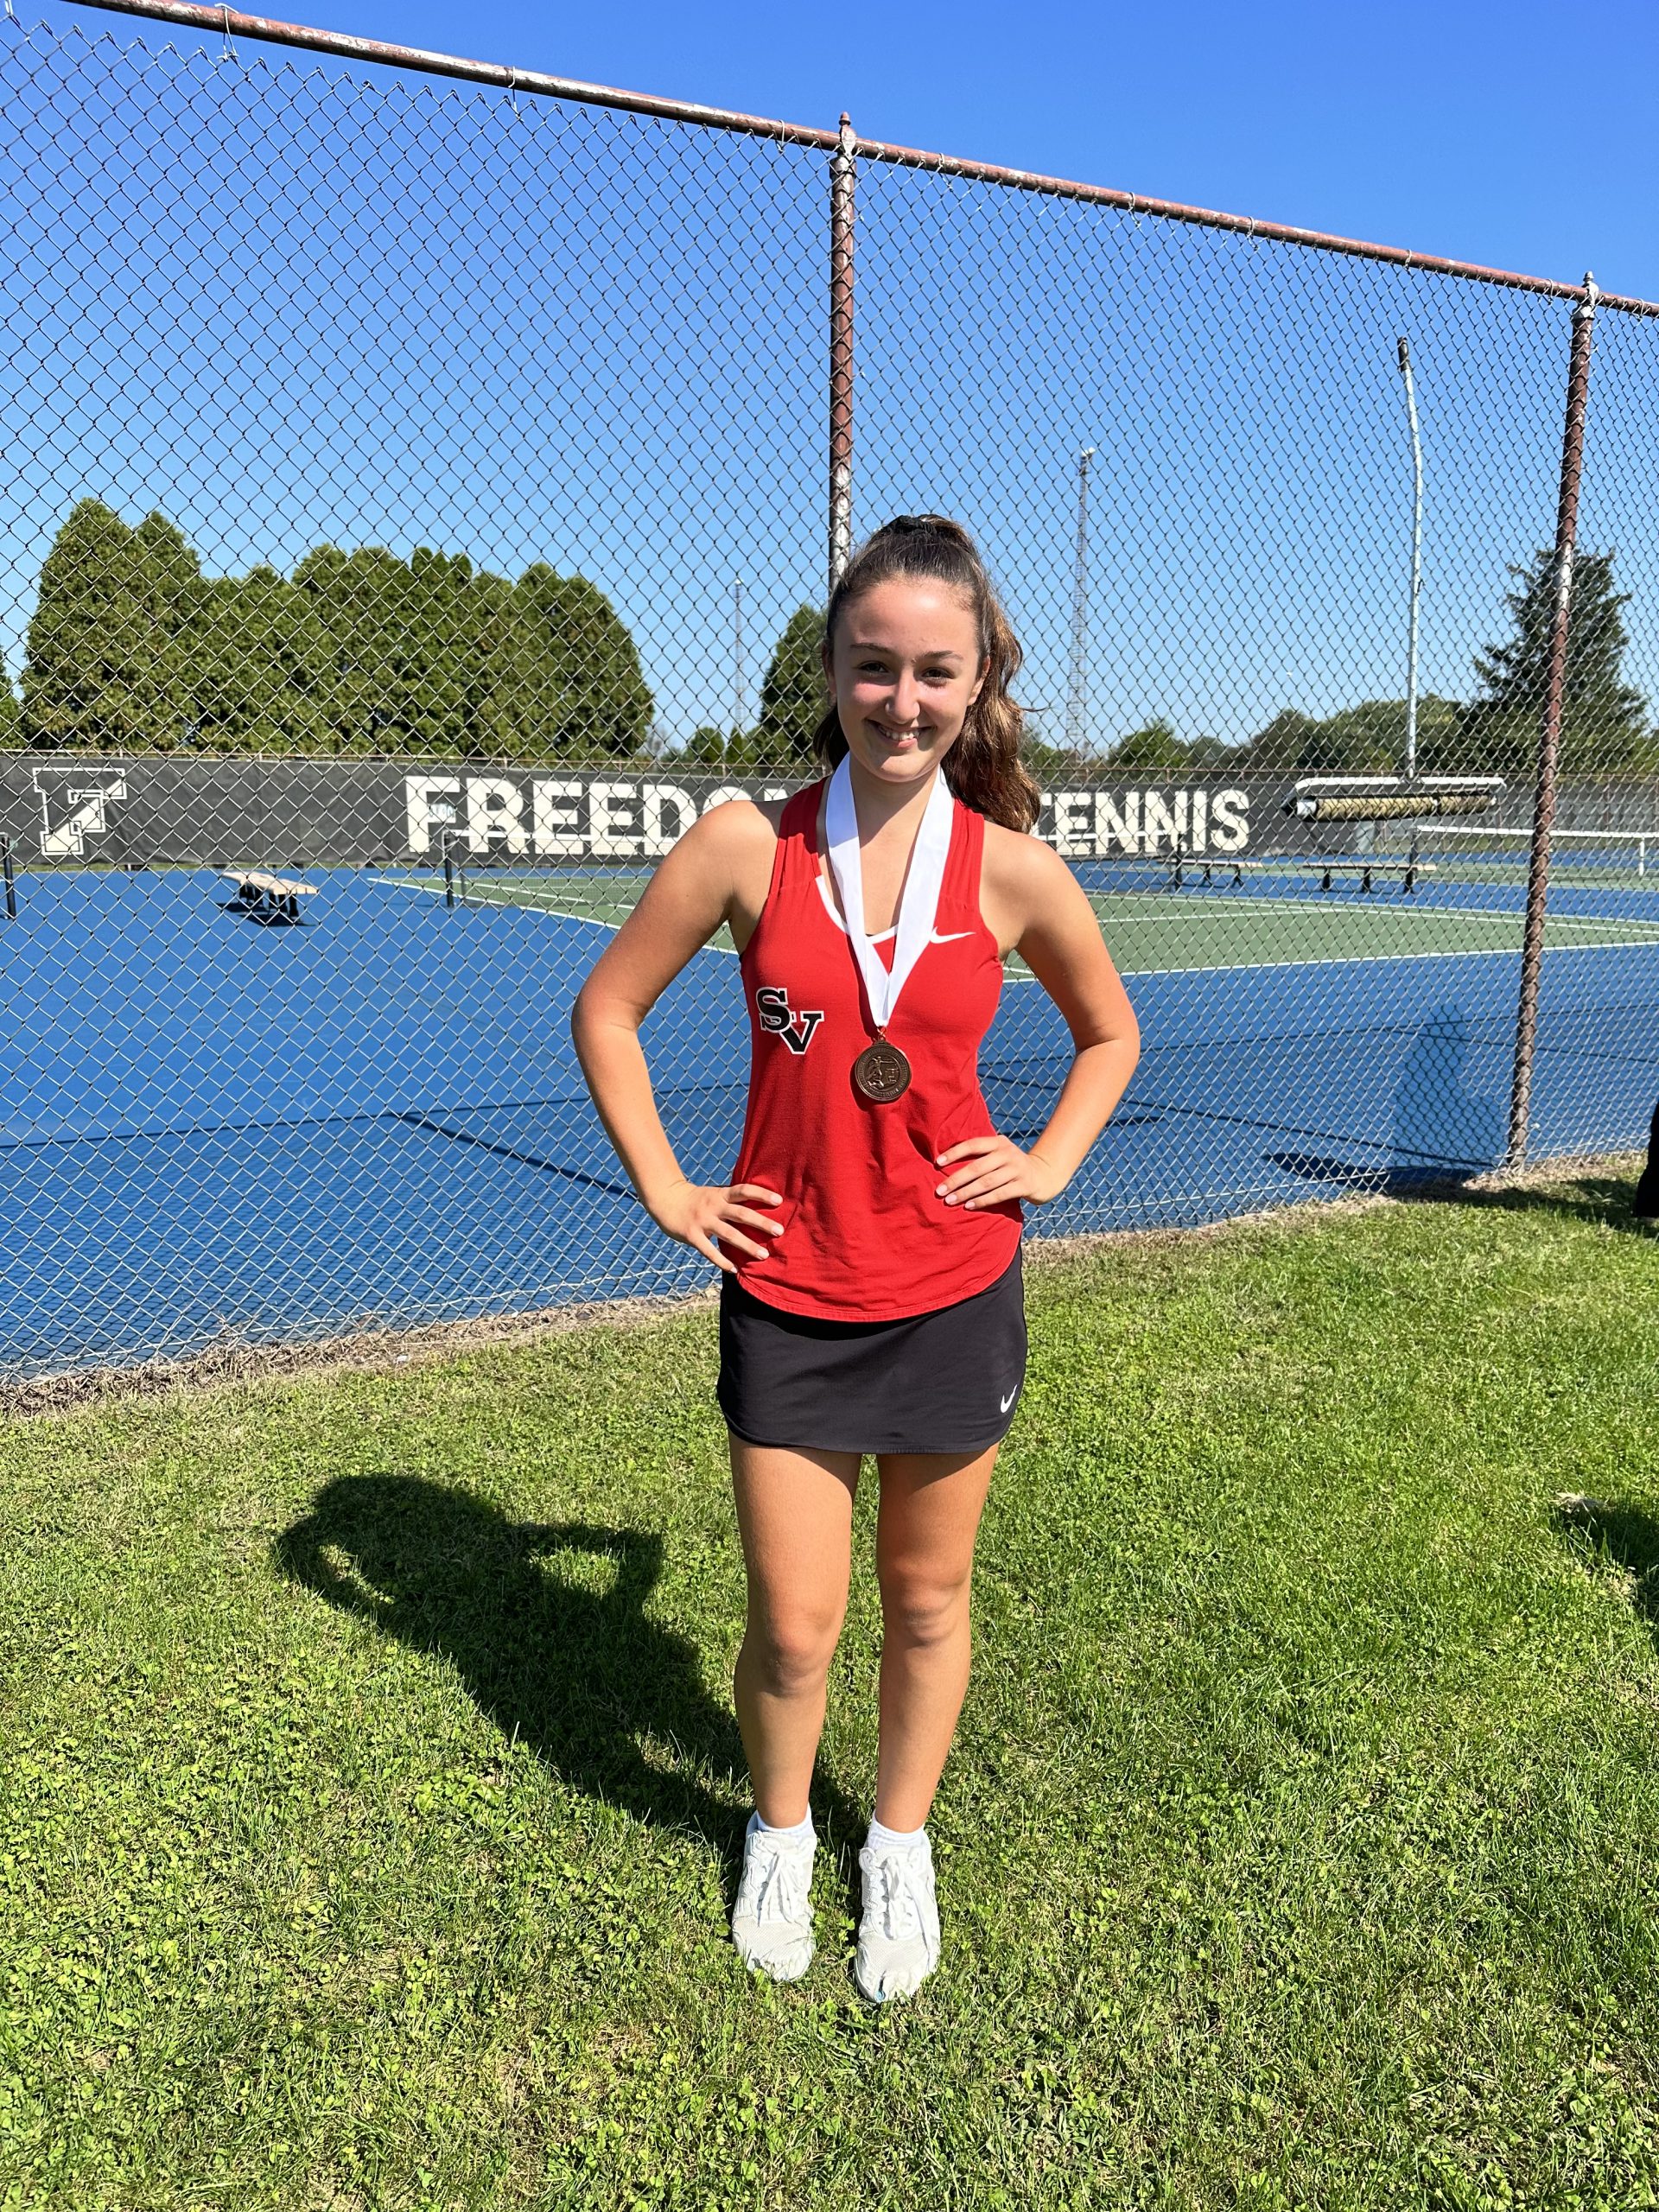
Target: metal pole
[(1076, 697), (219, 20), (11, 881), (843, 175), (740, 700), (1417, 562), (449, 874), (1549, 735), (1417, 596)]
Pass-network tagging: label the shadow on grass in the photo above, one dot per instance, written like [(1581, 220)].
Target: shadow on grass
[(1604, 1198), (547, 1627), (1625, 1536)]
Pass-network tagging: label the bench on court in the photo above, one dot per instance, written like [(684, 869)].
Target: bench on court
[(266, 897), (1325, 867)]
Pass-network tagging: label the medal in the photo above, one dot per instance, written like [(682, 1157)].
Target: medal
[(881, 1073)]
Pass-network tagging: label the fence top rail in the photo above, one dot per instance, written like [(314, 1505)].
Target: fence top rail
[(230, 23)]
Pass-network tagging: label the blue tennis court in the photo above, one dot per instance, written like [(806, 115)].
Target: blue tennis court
[(215, 1129)]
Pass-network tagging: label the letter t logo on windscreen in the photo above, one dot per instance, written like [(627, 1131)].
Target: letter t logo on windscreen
[(74, 806), (774, 1014)]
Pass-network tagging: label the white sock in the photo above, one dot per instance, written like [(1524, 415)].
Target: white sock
[(880, 1839), (802, 1832)]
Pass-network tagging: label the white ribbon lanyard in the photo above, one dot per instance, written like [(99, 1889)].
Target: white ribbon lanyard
[(919, 905)]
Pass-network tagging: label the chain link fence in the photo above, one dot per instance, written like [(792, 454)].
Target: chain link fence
[(418, 501)]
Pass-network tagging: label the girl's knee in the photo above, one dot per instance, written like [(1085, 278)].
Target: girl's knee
[(922, 1610), (788, 1654)]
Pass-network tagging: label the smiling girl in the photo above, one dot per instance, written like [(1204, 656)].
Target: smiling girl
[(872, 1303)]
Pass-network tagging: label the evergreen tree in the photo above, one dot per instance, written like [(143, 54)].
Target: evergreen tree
[(11, 719), (1603, 720), (101, 663), (1515, 673), (590, 694), (359, 652), (254, 667), (793, 696)]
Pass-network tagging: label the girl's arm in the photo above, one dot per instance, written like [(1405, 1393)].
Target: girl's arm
[(709, 877), (1037, 907)]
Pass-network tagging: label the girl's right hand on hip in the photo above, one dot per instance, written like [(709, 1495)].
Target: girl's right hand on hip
[(699, 1213)]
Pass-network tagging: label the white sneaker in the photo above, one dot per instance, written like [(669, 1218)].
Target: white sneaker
[(771, 1921), (898, 1934)]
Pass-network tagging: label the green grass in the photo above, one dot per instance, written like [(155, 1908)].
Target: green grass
[(1212, 926), (369, 1797)]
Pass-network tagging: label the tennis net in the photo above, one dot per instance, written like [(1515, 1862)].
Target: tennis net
[(1481, 853)]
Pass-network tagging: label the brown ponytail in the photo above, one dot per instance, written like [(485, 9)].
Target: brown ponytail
[(982, 768)]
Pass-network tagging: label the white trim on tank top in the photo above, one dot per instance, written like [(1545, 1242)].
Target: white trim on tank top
[(882, 935)]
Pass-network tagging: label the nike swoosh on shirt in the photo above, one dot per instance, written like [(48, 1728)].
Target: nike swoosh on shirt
[(949, 937), (1009, 1400)]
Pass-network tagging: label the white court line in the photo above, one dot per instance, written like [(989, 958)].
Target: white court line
[(1158, 906), (1216, 967), (1375, 959), (527, 906)]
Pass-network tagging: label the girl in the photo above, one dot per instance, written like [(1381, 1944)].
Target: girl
[(871, 1300)]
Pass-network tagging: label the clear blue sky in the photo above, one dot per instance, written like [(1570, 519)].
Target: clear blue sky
[(1518, 134), (537, 345)]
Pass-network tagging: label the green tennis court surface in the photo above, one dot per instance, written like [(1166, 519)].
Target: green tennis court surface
[(1154, 930), (1150, 931)]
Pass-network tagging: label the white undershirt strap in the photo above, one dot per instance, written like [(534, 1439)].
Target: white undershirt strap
[(918, 903)]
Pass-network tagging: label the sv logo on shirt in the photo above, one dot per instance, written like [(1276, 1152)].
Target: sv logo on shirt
[(775, 1015)]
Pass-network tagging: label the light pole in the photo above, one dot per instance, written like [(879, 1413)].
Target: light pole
[(1076, 700)]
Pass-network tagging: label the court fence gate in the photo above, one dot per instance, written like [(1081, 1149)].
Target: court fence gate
[(422, 480)]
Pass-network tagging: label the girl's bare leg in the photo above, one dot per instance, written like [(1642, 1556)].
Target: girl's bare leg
[(930, 1507), (795, 1515)]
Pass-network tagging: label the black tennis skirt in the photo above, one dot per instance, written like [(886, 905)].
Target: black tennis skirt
[(943, 1382)]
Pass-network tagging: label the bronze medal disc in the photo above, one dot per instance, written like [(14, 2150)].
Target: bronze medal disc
[(881, 1073)]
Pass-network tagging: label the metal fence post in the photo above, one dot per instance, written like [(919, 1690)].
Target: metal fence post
[(11, 881), (1549, 735), (843, 173)]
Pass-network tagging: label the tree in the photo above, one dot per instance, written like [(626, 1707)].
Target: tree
[(10, 721), (1153, 750), (1276, 750), (1367, 740), (255, 667), (793, 695), (101, 666), (360, 652), (1603, 720), (595, 699)]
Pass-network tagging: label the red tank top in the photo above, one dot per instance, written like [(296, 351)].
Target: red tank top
[(865, 1237)]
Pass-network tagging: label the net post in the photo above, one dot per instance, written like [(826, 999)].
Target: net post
[(449, 874), (843, 177), (1549, 735), (11, 880)]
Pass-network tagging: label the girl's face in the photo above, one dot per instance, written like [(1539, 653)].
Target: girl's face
[(903, 668)]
